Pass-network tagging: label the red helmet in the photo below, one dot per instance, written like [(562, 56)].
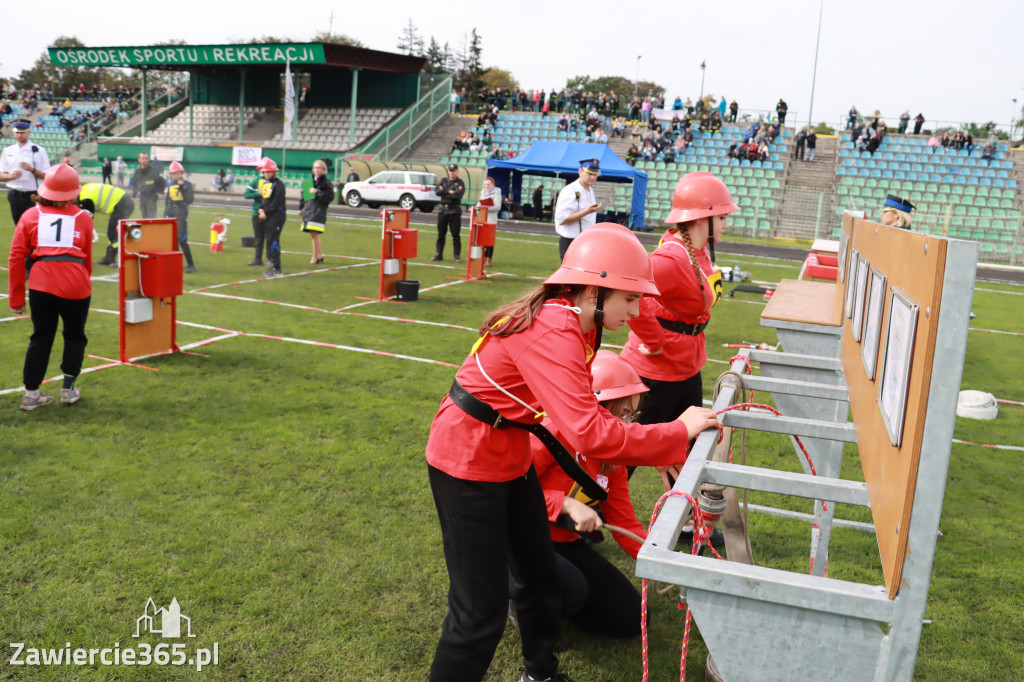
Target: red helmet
[(613, 377), (176, 167), (607, 255), (60, 184), (267, 164), (700, 195)]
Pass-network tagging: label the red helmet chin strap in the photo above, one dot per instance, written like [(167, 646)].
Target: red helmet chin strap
[(711, 238)]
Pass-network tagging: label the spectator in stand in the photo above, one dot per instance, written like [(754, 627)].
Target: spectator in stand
[(454, 102), (734, 110), (120, 168), (563, 122), (933, 143), (904, 121), (851, 118), (107, 171), (677, 105), (619, 127), (600, 137), (873, 142), (988, 152), (812, 141), (733, 154), (752, 151), (721, 108), (632, 155), (762, 151), (969, 142), (918, 122), (645, 110), (781, 108)]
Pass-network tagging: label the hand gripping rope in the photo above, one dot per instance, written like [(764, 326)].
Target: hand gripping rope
[(701, 527)]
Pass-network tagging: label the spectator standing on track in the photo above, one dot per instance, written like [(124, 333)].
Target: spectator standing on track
[(120, 168), (22, 166), (449, 217), (576, 208), (272, 212), (801, 143), (107, 171), (313, 208), (148, 185)]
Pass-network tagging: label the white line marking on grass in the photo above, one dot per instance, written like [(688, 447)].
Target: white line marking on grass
[(407, 319), (1000, 291), (60, 377), (1016, 448), (995, 331), (294, 274), (259, 300)]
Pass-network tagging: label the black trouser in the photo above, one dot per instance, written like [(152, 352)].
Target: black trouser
[(563, 246), (667, 400), (273, 226), (122, 211), (45, 309), (147, 204), (449, 221), (183, 239), (106, 178), (488, 530), (20, 202), (782, 119), (596, 596), (259, 229)]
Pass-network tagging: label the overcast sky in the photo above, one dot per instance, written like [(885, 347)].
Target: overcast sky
[(953, 61)]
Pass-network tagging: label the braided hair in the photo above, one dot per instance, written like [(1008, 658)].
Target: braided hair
[(688, 243)]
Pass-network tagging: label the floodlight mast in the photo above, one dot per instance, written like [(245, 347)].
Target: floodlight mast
[(814, 76)]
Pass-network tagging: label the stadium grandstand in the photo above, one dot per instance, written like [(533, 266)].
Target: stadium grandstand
[(381, 109)]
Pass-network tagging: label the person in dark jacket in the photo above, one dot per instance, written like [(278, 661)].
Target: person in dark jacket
[(313, 207), (272, 213), (148, 185), (449, 219), (254, 191), (781, 108), (180, 194), (108, 171)]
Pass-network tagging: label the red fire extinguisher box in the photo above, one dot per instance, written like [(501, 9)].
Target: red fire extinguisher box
[(403, 244), (486, 234), (161, 273)]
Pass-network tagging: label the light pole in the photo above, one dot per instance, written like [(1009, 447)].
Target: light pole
[(636, 83), (814, 75), (1013, 114), (702, 67)]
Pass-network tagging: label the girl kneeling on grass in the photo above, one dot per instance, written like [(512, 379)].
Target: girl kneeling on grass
[(531, 361), (596, 596)]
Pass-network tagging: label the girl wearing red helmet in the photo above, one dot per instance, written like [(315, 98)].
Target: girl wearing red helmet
[(666, 341), (180, 194), (54, 239), (532, 361), (596, 596)]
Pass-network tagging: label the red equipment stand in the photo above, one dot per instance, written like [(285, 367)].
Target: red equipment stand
[(397, 244), (218, 232), (150, 279), (481, 235)]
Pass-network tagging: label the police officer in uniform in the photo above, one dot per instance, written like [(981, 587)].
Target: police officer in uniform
[(576, 208), (100, 198), (22, 166), (148, 185), (449, 219), (180, 194)]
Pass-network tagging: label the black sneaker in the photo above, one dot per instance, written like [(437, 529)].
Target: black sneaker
[(437, 256), (255, 261), (557, 677)]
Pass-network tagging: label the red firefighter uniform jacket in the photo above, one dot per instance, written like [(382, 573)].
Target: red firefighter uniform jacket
[(616, 510), (545, 367), (50, 231), (682, 300)]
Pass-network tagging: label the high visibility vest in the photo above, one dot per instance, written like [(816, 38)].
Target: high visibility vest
[(104, 197)]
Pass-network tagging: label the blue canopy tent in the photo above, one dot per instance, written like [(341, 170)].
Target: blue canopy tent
[(549, 158)]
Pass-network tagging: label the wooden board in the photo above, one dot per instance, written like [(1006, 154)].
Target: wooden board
[(392, 219), (158, 334), (914, 263), (805, 301), (840, 290)]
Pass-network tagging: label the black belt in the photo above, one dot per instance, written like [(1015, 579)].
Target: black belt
[(478, 409), (64, 258), (682, 327)]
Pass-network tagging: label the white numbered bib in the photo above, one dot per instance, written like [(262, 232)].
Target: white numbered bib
[(56, 229)]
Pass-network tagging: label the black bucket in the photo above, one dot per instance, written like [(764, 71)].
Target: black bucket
[(408, 289), (248, 241)]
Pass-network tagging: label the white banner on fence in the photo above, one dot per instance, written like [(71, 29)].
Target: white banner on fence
[(167, 153), (246, 156)]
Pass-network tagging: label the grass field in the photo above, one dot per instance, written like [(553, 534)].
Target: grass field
[(278, 489)]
